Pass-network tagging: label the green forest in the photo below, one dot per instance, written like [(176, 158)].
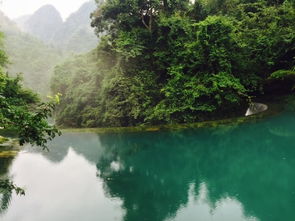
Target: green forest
[(152, 99), (178, 61)]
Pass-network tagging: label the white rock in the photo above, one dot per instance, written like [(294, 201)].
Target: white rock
[(256, 108)]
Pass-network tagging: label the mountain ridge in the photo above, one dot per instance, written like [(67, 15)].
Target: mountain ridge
[(74, 35), (44, 23)]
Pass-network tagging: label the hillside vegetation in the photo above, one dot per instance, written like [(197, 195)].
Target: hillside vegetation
[(174, 61), (29, 56), (38, 42)]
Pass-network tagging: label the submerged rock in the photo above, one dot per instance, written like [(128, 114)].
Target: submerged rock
[(256, 108)]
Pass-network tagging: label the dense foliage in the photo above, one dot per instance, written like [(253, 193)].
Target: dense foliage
[(175, 61)]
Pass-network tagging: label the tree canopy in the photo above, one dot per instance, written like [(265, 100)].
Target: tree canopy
[(172, 61)]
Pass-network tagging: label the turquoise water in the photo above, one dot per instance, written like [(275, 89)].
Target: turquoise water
[(231, 173)]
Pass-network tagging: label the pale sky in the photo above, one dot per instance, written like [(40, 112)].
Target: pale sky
[(16, 8)]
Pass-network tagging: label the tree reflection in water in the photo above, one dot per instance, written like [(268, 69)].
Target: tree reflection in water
[(152, 172), (5, 193), (239, 172)]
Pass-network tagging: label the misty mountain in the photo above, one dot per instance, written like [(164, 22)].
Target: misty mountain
[(76, 34), (73, 35), (21, 21), (7, 26), (44, 23), (29, 56)]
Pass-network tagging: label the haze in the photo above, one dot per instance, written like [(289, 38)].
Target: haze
[(17, 8)]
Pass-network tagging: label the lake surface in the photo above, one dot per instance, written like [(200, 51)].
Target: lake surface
[(241, 172)]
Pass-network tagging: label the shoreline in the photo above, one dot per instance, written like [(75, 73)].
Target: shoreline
[(272, 111)]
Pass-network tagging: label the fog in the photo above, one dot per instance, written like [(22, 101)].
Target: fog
[(17, 8)]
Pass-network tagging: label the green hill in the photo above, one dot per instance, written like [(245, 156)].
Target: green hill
[(29, 56)]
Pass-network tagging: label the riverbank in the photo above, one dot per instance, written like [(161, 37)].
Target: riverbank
[(275, 106), (273, 109)]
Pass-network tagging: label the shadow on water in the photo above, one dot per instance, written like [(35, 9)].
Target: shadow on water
[(158, 175)]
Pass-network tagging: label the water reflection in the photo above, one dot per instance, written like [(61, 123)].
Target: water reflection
[(246, 163), (199, 205), (68, 190), (238, 173), (5, 196)]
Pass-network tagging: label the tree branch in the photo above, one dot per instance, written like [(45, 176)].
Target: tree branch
[(143, 21)]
